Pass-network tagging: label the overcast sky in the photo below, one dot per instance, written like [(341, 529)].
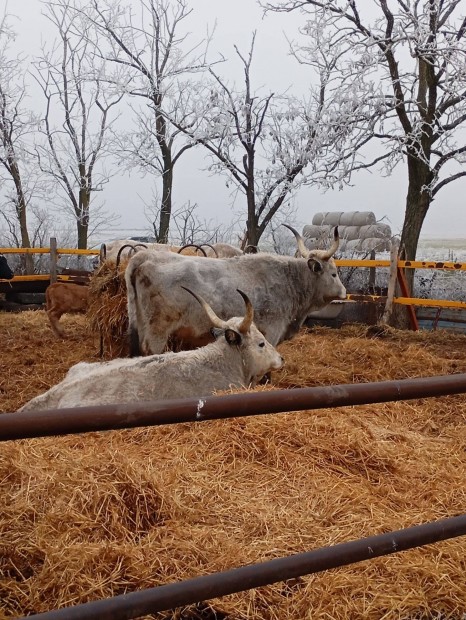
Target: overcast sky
[(275, 70)]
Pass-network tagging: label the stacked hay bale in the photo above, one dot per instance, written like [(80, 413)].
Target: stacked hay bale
[(359, 231), (107, 309)]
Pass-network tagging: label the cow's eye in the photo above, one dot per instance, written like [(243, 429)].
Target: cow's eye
[(262, 344), (334, 275)]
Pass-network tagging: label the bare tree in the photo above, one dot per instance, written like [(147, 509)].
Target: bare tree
[(186, 225), (75, 148), (145, 45), (406, 62), (16, 124), (266, 145)]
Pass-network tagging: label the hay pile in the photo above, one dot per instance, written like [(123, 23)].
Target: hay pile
[(107, 309), (96, 515)]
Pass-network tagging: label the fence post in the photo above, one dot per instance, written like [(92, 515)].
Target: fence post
[(53, 260), (391, 282)]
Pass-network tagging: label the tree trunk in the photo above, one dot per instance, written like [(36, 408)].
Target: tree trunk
[(82, 235), (166, 207), (252, 236), (416, 211), (418, 201), (252, 224), (82, 218), (21, 211)]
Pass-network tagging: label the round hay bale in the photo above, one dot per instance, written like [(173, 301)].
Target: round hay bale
[(357, 218), (353, 246), (367, 245), (331, 218), (107, 309), (344, 218), (375, 243), (382, 231), (349, 232), (313, 231)]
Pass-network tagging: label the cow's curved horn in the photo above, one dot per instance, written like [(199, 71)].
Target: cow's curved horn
[(301, 247), (103, 253), (214, 319), (335, 244), (128, 245), (249, 316), (207, 245), (192, 245)]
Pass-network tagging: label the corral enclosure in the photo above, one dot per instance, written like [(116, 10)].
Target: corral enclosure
[(99, 514)]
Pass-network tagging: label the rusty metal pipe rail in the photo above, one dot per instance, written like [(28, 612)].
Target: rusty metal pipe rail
[(199, 589), (111, 417)]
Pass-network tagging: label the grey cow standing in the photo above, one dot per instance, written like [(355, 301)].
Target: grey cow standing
[(239, 357), (283, 290)]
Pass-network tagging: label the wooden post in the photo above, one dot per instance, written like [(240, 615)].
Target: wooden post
[(391, 282), (53, 260)]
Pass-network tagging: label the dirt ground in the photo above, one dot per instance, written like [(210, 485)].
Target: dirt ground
[(94, 515)]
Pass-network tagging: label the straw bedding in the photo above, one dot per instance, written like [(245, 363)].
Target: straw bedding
[(96, 515)]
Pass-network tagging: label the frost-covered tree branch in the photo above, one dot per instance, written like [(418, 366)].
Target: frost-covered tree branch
[(73, 92), (266, 145), (16, 126), (145, 54), (407, 64)]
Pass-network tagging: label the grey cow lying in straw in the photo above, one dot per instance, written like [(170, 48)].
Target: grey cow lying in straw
[(239, 356)]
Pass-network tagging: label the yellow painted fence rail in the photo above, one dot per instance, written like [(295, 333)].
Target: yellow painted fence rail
[(365, 263), (48, 251), (405, 264)]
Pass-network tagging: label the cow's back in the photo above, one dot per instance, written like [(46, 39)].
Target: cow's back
[(161, 311)]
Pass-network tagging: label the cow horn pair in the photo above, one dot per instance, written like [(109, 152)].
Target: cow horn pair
[(133, 249), (325, 254), (192, 245), (207, 245), (217, 322)]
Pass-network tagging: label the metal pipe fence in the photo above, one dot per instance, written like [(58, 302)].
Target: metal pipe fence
[(364, 263), (28, 424), (166, 597)]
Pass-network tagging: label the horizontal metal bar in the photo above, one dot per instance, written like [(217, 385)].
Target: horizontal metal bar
[(403, 264), (163, 598), (35, 278), (361, 262), (408, 301), (341, 262), (47, 251), (21, 425), (42, 278), (440, 303)]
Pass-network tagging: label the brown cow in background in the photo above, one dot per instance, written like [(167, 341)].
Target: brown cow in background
[(62, 297)]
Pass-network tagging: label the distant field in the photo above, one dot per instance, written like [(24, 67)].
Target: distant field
[(450, 244), (442, 249)]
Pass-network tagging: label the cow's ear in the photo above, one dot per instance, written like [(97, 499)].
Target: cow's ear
[(232, 337), (315, 265)]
